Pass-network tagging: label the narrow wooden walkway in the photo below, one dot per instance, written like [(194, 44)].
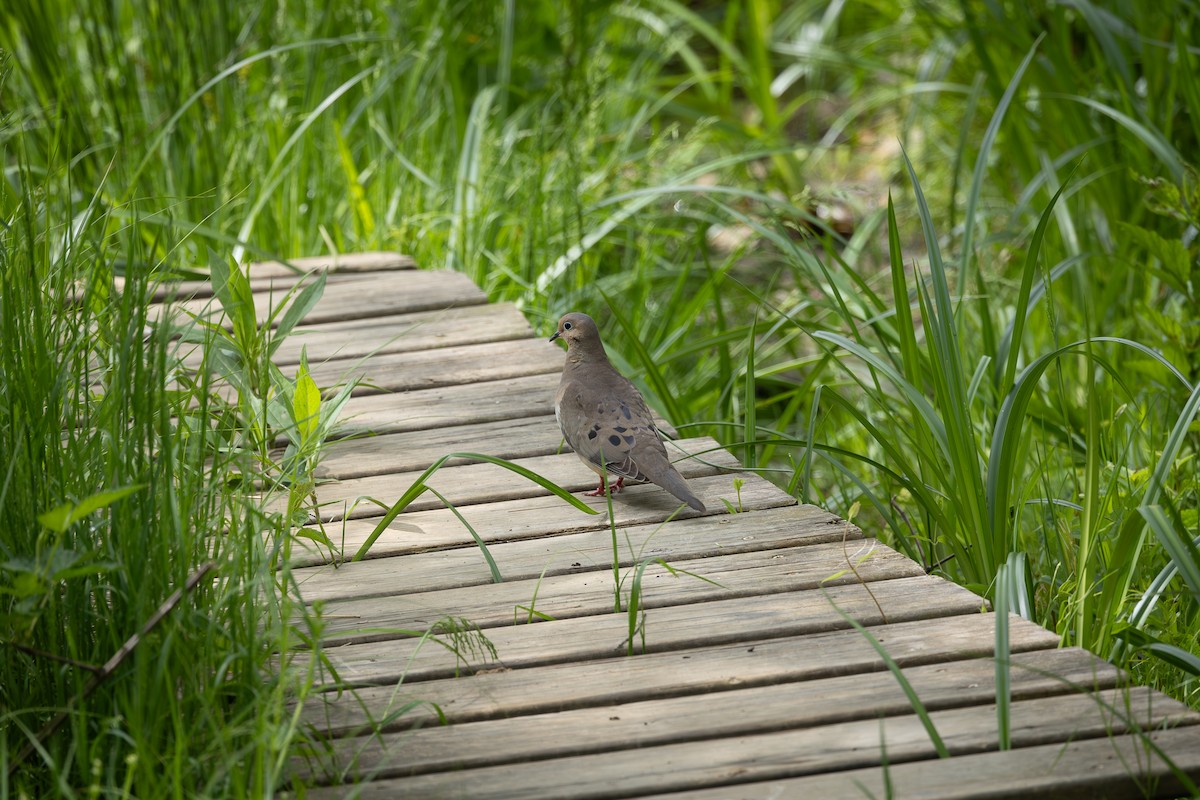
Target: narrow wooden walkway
[(747, 681)]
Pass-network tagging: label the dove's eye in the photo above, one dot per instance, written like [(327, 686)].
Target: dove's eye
[(567, 326)]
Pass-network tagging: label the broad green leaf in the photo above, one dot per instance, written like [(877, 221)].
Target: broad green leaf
[(306, 405), (60, 518), (1182, 550)]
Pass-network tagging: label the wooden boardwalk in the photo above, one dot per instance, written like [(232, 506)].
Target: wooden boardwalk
[(746, 680)]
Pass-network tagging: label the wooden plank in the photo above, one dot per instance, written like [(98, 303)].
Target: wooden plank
[(589, 593), (426, 369), (447, 406), (520, 647), (697, 717), (786, 753), (696, 625), (421, 330), (1104, 768), (528, 518), (409, 451), (488, 483), (369, 261), (535, 689), (415, 450), (700, 537), (446, 366), (358, 297), (264, 274), (398, 333)]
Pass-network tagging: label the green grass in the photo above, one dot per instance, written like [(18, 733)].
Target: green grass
[(999, 363)]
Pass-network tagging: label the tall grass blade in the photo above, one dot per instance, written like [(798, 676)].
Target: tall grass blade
[(914, 700), (1010, 347), (420, 485), (980, 172), (750, 401), (1185, 553)]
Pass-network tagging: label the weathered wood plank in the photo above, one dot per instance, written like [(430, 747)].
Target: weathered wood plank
[(537, 689), (579, 639), (447, 406), (488, 483), (527, 518), (358, 297), (398, 333), (589, 593), (265, 273), (522, 647), (787, 753), (369, 261), (422, 330), (415, 450), (695, 538), (698, 717), (1104, 768), (446, 366)]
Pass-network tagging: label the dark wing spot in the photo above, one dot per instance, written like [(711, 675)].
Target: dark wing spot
[(625, 411), (628, 440), (596, 427), (620, 429), (591, 434), (616, 440)]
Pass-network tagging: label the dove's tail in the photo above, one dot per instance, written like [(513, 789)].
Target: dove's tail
[(674, 483)]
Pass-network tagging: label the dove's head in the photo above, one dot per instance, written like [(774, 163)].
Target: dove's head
[(578, 331)]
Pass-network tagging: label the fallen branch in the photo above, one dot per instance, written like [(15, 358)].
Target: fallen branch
[(103, 673)]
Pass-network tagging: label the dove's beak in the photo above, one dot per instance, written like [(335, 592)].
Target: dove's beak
[(555, 336)]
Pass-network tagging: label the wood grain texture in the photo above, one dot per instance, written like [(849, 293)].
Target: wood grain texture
[(396, 333), (950, 629), (450, 405), (1104, 768), (583, 679), (445, 366), (264, 274), (697, 537), (390, 605), (355, 296), (415, 450), (489, 483), (509, 738), (788, 753), (372, 261), (536, 517)]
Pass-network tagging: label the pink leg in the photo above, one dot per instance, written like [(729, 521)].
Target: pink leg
[(599, 491)]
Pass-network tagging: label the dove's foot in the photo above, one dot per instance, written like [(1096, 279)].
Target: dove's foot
[(599, 491)]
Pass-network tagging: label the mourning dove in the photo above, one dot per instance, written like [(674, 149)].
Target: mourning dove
[(605, 419)]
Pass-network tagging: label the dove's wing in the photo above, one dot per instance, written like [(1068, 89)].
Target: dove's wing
[(607, 428)]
